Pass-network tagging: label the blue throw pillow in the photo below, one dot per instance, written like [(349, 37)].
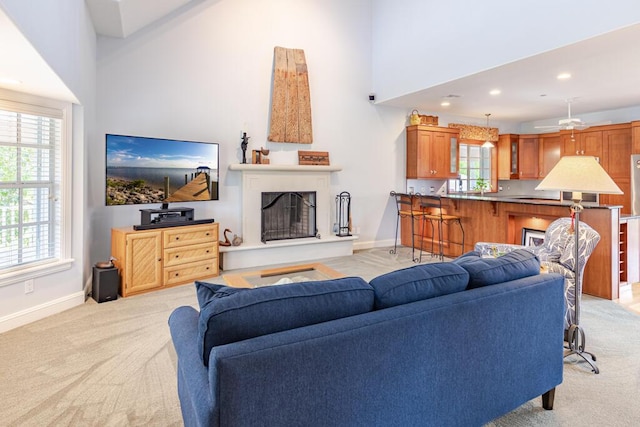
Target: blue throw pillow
[(418, 283), (205, 292), (489, 271), (230, 314)]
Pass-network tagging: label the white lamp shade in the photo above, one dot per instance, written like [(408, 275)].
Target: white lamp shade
[(579, 174)]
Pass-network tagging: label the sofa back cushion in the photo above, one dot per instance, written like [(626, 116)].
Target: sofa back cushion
[(489, 271), (418, 283), (231, 314)]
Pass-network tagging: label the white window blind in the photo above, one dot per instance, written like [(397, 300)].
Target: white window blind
[(30, 179)]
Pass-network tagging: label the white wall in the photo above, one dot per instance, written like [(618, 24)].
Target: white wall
[(206, 75), (418, 44), (63, 34)]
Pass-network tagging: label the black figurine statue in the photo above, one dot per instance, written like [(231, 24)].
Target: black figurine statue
[(243, 145)]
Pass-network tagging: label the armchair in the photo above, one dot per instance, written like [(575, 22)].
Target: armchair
[(557, 255)]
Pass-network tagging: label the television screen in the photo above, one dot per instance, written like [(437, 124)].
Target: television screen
[(154, 170)]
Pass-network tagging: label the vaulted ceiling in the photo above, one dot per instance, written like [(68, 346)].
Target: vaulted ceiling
[(605, 70), (121, 18)]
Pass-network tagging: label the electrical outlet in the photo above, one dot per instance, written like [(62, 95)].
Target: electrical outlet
[(28, 286)]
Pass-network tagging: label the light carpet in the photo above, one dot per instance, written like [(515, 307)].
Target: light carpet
[(113, 364)]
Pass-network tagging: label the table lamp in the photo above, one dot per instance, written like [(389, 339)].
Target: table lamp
[(578, 174)]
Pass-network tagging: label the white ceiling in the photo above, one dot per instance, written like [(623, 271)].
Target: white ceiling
[(605, 74), (121, 18), (605, 70)]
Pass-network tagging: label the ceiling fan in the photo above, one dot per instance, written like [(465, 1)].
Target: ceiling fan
[(570, 123)]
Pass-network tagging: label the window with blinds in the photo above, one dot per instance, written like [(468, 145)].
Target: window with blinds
[(30, 179)]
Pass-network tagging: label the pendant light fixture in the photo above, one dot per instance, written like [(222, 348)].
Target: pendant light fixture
[(487, 142)]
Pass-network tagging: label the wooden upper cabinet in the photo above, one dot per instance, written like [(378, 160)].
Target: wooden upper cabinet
[(508, 157), (635, 137), (528, 157), (518, 156), (616, 159), (432, 152), (617, 152), (550, 150), (578, 143)]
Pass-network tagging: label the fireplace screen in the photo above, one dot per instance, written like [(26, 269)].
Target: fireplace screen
[(288, 215)]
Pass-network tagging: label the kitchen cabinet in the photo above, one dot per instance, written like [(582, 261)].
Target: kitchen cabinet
[(550, 151), (617, 152), (635, 137), (508, 156), (432, 152), (159, 258), (616, 155), (528, 157), (517, 156), (578, 143)]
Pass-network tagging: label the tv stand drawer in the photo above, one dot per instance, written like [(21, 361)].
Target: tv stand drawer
[(190, 253), (190, 235), (185, 273)]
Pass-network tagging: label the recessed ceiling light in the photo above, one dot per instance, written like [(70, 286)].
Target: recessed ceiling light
[(495, 92), (563, 76), (445, 103), (8, 81)]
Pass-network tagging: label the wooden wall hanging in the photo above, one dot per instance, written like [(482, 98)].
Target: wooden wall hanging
[(290, 100)]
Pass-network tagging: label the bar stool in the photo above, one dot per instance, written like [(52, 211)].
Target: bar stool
[(431, 207), (404, 206)]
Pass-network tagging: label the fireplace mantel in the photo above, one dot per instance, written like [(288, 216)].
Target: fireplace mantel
[(282, 168)]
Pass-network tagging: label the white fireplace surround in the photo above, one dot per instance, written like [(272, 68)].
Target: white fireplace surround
[(257, 179)]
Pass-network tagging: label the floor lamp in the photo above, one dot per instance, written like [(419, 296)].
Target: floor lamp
[(578, 174)]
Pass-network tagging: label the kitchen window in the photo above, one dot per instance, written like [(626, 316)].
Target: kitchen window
[(32, 189), (474, 163)]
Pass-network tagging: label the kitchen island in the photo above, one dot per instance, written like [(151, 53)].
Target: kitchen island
[(502, 220)]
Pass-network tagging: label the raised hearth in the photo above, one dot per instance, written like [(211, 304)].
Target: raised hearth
[(257, 179)]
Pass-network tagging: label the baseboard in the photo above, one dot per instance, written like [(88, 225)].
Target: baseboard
[(49, 308)]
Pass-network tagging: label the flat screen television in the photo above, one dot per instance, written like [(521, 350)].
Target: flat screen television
[(143, 170)]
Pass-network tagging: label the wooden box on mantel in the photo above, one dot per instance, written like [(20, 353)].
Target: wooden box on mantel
[(313, 158)]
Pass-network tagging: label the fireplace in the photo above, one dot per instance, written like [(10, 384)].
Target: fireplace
[(318, 241), (288, 215)]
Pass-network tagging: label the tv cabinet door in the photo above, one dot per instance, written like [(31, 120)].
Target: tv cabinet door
[(143, 269)]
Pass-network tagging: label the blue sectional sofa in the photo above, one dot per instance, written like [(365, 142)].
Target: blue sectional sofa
[(442, 344)]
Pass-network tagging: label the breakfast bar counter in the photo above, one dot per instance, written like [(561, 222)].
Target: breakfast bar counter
[(503, 220)]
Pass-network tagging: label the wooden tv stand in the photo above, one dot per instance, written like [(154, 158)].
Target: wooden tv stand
[(148, 260)]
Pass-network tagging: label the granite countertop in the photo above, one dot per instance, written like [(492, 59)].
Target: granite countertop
[(529, 200), (507, 199)]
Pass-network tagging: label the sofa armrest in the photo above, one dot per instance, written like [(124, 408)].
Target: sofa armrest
[(495, 249), (196, 400)]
